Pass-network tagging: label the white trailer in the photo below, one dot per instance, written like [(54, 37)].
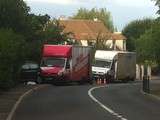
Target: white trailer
[(114, 65)]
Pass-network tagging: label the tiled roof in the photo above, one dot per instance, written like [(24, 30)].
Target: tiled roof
[(118, 36), (85, 29)]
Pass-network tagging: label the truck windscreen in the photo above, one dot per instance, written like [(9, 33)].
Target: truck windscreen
[(100, 63), (53, 62)]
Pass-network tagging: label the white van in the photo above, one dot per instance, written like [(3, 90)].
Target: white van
[(114, 65)]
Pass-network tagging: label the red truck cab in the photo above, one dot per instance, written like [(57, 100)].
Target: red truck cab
[(65, 63), (55, 62)]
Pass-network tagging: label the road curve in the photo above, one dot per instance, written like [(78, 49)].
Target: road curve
[(73, 102)]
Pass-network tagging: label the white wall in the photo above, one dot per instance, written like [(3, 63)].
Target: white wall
[(84, 42), (121, 44)]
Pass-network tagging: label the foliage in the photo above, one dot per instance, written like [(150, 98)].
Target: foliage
[(134, 30), (13, 14), (35, 25), (54, 34), (157, 4), (21, 35), (100, 43), (11, 56), (148, 44), (101, 14)]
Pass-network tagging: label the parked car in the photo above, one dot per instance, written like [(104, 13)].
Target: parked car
[(29, 72)]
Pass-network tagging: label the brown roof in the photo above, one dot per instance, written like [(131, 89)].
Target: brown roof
[(118, 36), (85, 29)]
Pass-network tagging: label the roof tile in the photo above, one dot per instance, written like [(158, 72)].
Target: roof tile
[(85, 29)]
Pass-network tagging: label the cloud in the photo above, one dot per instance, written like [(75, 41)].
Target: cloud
[(134, 3), (125, 3), (70, 2), (63, 2)]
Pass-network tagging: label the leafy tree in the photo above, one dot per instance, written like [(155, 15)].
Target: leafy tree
[(101, 14), (157, 4), (13, 14), (134, 30), (54, 34), (100, 42), (147, 46), (21, 35), (35, 25), (11, 56)]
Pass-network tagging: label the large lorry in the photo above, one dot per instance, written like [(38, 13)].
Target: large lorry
[(114, 65), (65, 63)]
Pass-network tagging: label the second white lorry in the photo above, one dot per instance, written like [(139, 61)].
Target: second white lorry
[(114, 65)]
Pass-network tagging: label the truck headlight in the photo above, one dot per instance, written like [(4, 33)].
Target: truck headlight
[(60, 73)]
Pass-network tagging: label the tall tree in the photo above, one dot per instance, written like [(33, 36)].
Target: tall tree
[(13, 14), (147, 46), (53, 33), (35, 26), (134, 30), (12, 53), (157, 4), (101, 14)]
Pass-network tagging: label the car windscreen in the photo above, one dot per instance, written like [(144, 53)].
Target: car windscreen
[(100, 63), (30, 66), (53, 62)]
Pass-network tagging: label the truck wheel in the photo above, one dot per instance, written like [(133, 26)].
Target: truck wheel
[(80, 82), (39, 80), (125, 80), (90, 82), (132, 79)]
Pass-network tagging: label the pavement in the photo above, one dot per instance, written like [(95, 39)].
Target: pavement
[(155, 86), (116, 101), (9, 98)]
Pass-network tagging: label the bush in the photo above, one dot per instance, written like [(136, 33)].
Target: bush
[(11, 56)]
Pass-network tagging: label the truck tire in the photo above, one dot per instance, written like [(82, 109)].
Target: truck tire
[(132, 79), (81, 82), (90, 82)]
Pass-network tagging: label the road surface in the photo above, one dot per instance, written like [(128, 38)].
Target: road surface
[(112, 102)]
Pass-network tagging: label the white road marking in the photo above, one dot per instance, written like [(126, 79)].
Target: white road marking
[(12, 112), (102, 105)]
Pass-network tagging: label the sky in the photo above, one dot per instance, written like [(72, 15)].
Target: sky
[(122, 11)]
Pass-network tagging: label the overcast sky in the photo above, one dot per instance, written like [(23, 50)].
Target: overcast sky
[(122, 11)]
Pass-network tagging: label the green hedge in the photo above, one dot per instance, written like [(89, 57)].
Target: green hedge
[(12, 54)]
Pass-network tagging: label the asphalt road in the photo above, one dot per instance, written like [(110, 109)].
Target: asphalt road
[(86, 102)]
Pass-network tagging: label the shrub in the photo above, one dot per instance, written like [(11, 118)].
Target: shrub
[(11, 56)]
